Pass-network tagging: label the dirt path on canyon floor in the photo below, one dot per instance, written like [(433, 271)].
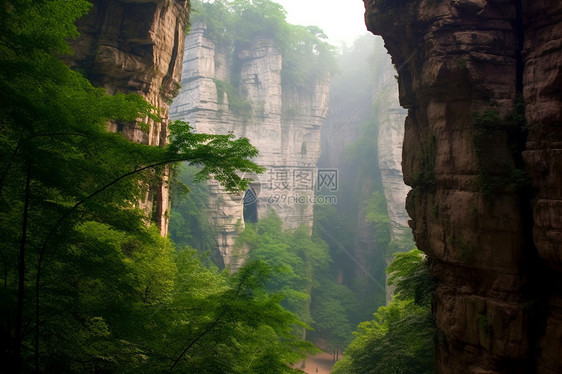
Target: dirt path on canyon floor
[(321, 363)]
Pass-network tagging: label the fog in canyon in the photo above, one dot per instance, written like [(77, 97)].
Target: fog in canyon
[(249, 186)]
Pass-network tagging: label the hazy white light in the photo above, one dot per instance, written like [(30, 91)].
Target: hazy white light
[(341, 20)]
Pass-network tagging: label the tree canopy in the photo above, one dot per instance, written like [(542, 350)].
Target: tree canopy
[(235, 25), (87, 284), (399, 338), (302, 261)]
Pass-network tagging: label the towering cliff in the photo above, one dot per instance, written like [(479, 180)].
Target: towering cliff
[(135, 46), (481, 81), (390, 116), (282, 121)]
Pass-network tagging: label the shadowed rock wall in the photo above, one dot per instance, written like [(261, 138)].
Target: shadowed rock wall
[(482, 152), (136, 46)]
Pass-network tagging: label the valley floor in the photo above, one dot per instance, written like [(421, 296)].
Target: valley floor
[(321, 363)]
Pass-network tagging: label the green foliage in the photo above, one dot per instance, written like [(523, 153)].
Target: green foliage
[(236, 25), (294, 256), (376, 212), (97, 295), (409, 273), (334, 309), (301, 262), (240, 21), (190, 224), (307, 56), (235, 103), (218, 156), (399, 339), (84, 279), (487, 118), (229, 324), (197, 321)]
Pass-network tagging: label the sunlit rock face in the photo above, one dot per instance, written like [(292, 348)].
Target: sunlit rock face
[(135, 46), (482, 84), (283, 123)]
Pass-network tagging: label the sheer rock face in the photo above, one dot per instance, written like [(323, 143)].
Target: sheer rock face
[(135, 46), (283, 123), (468, 71), (391, 116)]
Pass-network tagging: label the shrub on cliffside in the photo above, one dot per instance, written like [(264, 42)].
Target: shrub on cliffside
[(236, 25)]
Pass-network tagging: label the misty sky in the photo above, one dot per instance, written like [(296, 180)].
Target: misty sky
[(340, 22)]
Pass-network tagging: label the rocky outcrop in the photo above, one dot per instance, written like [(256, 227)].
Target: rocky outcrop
[(282, 122), (390, 116), (481, 81), (135, 46)]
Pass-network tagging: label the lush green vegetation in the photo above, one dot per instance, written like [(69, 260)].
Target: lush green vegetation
[(190, 224), (236, 104), (86, 284), (302, 263), (399, 339), (235, 25)]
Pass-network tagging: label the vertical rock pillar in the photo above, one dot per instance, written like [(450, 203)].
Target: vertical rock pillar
[(136, 46), (481, 82), (283, 123)]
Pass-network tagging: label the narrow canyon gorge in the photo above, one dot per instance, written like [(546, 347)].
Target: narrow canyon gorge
[(481, 81)]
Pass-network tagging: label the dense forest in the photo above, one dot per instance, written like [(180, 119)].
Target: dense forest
[(88, 283)]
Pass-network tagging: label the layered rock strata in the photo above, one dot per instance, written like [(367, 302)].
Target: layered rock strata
[(136, 46), (282, 122), (482, 84)]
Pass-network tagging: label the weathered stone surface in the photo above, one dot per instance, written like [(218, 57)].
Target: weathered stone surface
[(494, 246), (390, 117), (542, 82), (283, 123), (135, 46)]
